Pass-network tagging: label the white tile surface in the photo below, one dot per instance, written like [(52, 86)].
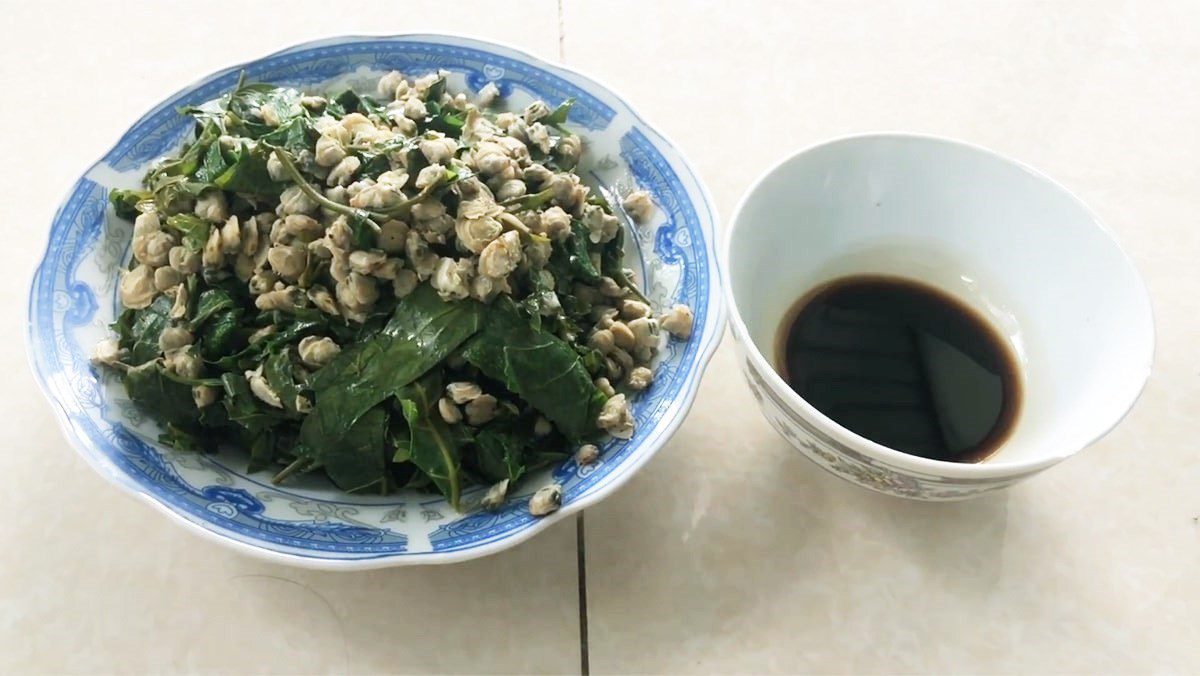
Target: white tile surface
[(729, 552)]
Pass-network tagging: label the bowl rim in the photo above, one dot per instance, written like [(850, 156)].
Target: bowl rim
[(717, 318), (935, 468)]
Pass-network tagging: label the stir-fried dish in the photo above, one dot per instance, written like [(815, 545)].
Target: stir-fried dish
[(411, 288)]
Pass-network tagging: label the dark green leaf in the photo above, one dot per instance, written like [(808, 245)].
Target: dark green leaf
[(364, 233), (593, 360), (222, 334), (189, 160), (244, 408), (291, 332), (125, 202), (612, 257), (449, 121), (190, 382), (358, 461), (172, 192), (500, 449), (179, 439), (123, 327), (247, 101), (343, 104), (295, 136), (192, 229), (248, 173), (423, 331), (213, 166), (538, 366), (371, 107), (578, 254), (433, 323), (146, 330), (435, 447), (435, 91), (535, 200), (374, 164), (558, 117), (539, 459), (165, 399), (210, 303), (279, 374), (262, 452)]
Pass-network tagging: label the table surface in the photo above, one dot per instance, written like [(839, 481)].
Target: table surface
[(729, 551)]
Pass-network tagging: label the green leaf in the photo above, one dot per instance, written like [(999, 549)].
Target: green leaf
[(538, 366), (375, 157), (278, 371), (539, 459), (210, 303), (193, 230), (403, 446), (612, 257), (358, 460), (364, 234), (291, 332), (423, 331), (536, 200), (579, 259), (349, 102), (435, 447), (294, 136), (245, 102), (123, 327), (262, 452), (170, 192), (244, 408), (424, 317), (449, 121), (190, 382), (213, 166), (248, 173), (592, 359), (435, 91), (558, 117), (163, 398), (374, 164), (190, 159), (223, 334), (146, 329), (371, 107), (179, 439), (125, 202), (343, 104), (500, 449)]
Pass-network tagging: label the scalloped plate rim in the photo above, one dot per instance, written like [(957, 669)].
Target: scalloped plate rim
[(615, 479)]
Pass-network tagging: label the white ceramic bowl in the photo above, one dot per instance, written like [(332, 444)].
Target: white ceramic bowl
[(72, 301), (990, 231)]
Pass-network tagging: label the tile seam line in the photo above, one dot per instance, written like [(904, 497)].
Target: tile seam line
[(562, 33), (580, 532)]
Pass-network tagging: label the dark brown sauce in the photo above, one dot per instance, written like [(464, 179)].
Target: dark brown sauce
[(904, 365)]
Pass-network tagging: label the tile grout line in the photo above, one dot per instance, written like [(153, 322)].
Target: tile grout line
[(562, 34), (581, 549), (580, 538)]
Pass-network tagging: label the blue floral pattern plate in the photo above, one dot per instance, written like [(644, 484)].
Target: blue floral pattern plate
[(309, 523)]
